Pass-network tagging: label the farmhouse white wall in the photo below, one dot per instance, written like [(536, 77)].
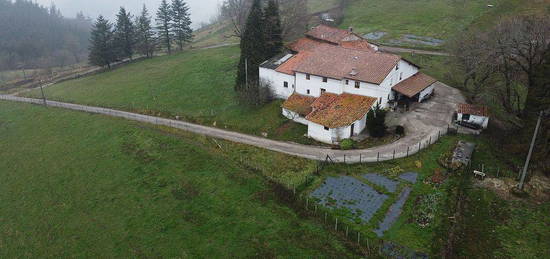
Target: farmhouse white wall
[(315, 83), (277, 80), (479, 120), (318, 132), (294, 116)]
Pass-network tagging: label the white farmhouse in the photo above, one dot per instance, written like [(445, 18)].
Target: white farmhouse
[(332, 78), (472, 116)]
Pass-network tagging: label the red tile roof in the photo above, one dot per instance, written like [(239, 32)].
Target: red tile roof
[(338, 62), (358, 45), (331, 34), (304, 44), (300, 104), (290, 65), (414, 84), (336, 111), (473, 109)]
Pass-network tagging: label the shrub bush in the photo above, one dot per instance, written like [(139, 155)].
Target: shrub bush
[(347, 144), (400, 130)]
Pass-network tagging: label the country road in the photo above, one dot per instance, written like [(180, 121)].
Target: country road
[(424, 124)]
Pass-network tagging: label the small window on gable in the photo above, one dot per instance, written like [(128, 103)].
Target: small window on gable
[(397, 66), (347, 82), (308, 76), (325, 79), (401, 76), (308, 91), (357, 84), (326, 128), (285, 84)]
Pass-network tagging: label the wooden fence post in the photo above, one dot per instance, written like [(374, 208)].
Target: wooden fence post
[(378, 157), (408, 151), (394, 154)]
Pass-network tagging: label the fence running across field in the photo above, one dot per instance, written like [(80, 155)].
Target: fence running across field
[(376, 154)]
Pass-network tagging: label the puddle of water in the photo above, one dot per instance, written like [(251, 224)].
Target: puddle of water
[(348, 192), (409, 177), (375, 35), (393, 213), (383, 181)]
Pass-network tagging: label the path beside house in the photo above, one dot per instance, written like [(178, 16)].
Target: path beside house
[(424, 124)]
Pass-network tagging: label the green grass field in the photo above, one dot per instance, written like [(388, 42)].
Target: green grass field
[(440, 19), (196, 85), (81, 185)]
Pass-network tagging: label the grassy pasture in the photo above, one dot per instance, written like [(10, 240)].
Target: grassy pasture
[(196, 85), (440, 19), (82, 185)]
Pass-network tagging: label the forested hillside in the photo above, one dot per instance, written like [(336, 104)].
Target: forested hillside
[(33, 36)]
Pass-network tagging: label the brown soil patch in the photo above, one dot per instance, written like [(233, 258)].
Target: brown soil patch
[(538, 188)]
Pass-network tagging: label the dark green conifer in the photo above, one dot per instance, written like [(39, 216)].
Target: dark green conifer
[(273, 30)]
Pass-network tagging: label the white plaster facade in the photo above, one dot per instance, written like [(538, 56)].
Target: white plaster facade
[(475, 119)]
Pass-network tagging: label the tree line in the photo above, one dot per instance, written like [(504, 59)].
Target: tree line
[(129, 36), (34, 36), (261, 39), (507, 68)]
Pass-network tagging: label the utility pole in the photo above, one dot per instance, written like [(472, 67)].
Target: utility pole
[(522, 180), (246, 72), (43, 96)]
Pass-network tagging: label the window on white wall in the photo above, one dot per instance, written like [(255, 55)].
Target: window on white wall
[(325, 79), (307, 91), (285, 84), (323, 90), (397, 66), (308, 76), (357, 84), (347, 82), (326, 128), (401, 76)]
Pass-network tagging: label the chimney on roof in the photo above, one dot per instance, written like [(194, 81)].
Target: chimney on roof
[(350, 29), (353, 72)]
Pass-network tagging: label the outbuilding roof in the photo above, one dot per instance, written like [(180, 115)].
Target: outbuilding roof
[(336, 111), (300, 104), (414, 84), (331, 34), (473, 109)]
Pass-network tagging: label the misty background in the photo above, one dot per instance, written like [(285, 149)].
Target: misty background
[(201, 10)]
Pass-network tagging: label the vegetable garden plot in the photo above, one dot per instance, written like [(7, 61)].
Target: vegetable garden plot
[(409, 177), (394, 212), (347, 192), (383, 181)]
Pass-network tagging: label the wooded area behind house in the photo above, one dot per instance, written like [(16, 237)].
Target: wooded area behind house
[(33, 36)]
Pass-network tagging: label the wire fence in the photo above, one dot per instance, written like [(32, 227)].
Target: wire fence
[(315, 153)]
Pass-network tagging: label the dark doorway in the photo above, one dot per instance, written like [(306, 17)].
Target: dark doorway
[(352, 129)]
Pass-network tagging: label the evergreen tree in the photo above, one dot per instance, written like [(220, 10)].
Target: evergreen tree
[(124, 34), (273, 30), (164, 25), (376, 122), (253, 51), (181, 23), (145, 34), (101, 43)]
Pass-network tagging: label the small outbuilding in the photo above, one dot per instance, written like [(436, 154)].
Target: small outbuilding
[(472, 116)]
